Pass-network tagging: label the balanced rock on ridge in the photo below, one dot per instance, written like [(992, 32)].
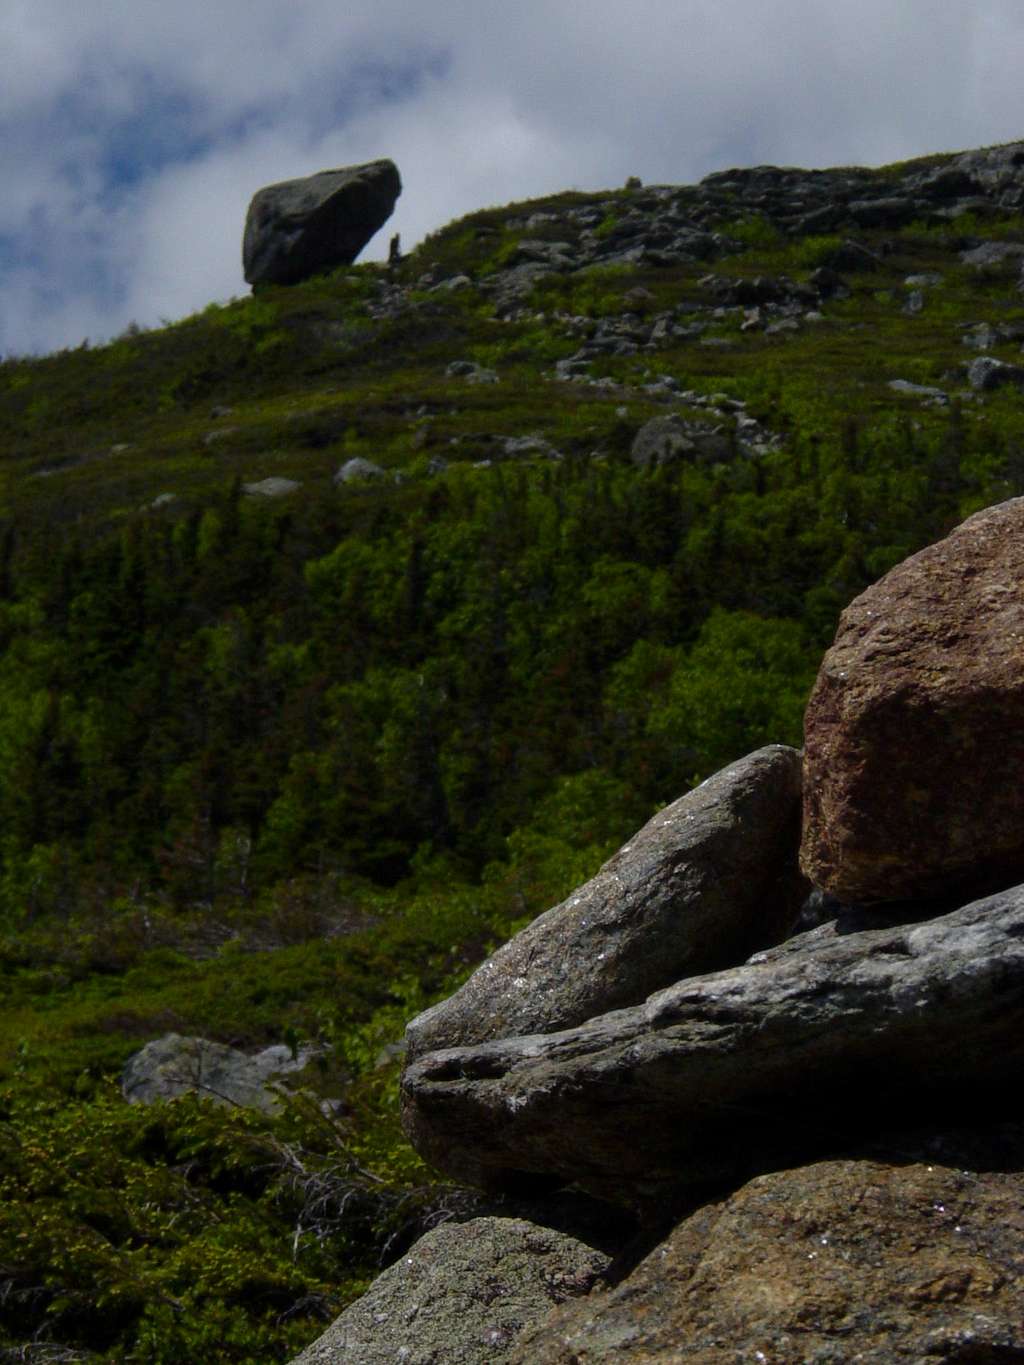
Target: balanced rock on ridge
[(299, 228), (915, 727), (708, 880)]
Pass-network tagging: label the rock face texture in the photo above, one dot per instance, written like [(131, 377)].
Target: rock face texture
[(173, 1066), (915, 728), (837, 1262), (460, 1296), (708, 880), (733, 1072), (299, 228)]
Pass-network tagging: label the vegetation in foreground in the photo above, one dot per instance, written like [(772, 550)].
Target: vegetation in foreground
[(283, 769)]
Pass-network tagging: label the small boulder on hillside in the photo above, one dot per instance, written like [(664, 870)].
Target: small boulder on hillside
[(664, 440), (274, 487), (174, 1065), (987, 373), (708, 880), (461, 1296), (915, 727), (300, 228), (357, 470)]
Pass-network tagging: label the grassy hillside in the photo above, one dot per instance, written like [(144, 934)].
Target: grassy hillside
[(282, 768)]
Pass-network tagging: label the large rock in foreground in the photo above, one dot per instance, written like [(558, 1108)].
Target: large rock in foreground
[(300, 228), (707, 881), (838, 1262), (915, 728), (741, 1071), (460, 1296)]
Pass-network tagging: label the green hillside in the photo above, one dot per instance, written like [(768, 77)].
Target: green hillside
[(281, 762)]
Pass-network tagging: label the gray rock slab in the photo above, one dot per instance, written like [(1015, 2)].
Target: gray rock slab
[(172, 1066), (299, 228), (993, 253), (708, 880), (274, 487), (746, 1070), (917, 390), (461, 1296)]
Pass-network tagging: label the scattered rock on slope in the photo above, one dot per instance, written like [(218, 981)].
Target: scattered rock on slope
[(174, 1065), (915, 728), (299, 228), (460, 1296), (705, 882)]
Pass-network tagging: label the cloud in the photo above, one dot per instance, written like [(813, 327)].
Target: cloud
[(133, 132)]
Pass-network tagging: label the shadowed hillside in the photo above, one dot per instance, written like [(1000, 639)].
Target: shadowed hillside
[(348, 625)]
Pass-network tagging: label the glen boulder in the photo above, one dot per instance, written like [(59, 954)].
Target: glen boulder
[(299, 228)]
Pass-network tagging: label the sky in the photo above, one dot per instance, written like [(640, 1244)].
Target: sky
[(133, 133)]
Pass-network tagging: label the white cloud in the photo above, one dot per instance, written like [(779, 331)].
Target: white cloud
[(133, 132)]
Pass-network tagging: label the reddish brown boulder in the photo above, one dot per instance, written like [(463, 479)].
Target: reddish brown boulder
[(914, 734)]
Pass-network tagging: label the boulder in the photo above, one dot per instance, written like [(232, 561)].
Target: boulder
[(274, 487), (664, 440), (918, 390), (841, 1261), (173, 1065), (705, 882), (915, 726), (300, 228), (358, 470), (722, 1076), (993, 254), (987, 373), (460, 1296)]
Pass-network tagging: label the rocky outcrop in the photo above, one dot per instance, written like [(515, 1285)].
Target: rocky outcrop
[(668, 225), (742, 1070), (705, 882), (461, 1296), (172, 1066), (915, 728), (841, 1261), (300, 228)]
